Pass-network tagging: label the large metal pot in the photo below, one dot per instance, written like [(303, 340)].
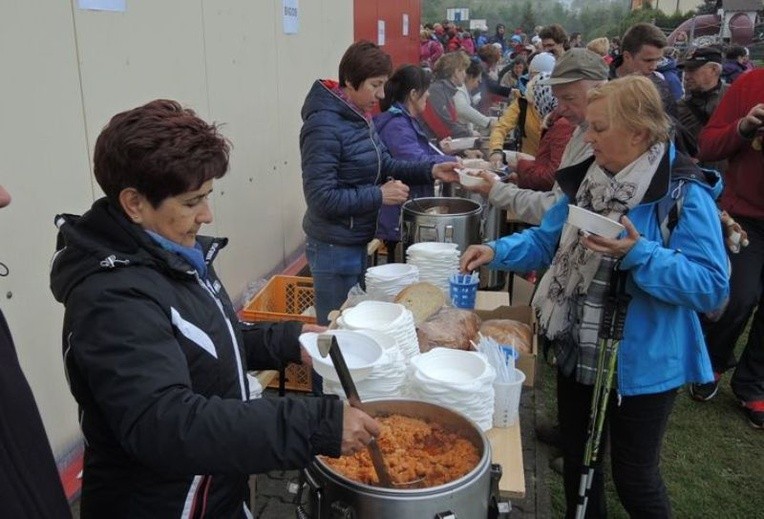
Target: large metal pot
[(492, 228), (455, 220), (333, 496)]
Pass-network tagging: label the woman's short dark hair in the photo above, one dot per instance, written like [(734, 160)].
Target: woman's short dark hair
[(402, 82), (736, 52), (489, 55), (161, 149), (554, 32), (474, 70), (363, 60)]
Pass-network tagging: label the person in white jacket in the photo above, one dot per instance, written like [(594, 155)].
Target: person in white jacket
[(465, 111)]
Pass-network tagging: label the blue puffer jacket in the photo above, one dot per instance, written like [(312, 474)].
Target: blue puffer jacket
[(343, 163), (406, 140), (667, 67), (662, 346)]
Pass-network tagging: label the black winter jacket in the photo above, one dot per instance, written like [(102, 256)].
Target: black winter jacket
[(343, 163), (29, 484), (157, 361)]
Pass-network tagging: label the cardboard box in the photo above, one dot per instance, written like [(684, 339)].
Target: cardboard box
[(522, 293), (493, 305)]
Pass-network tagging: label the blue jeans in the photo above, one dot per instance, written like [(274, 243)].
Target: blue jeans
[(335, 269)]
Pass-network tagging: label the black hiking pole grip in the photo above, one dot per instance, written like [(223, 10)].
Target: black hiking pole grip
[(606, 325)]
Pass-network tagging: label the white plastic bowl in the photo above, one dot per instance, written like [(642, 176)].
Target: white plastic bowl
[(476, 164), (468, 177), (451, 366), (463, 143), (593, 223), (372, 315), (385, 340), (436, 248), (392, 271), (360, 351)]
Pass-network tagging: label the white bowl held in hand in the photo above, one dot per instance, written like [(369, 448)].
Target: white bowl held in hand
[(463, 143), (468, 177), (593, 223), (360, 351)]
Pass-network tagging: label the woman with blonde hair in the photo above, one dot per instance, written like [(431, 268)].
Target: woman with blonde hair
[(439, 116), (662, 347), (601, 46)]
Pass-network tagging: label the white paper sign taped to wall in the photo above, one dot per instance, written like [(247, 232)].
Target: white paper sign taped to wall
[(291, 16)]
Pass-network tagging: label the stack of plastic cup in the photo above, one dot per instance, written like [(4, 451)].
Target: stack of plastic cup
[(463, 290), (506, 402)]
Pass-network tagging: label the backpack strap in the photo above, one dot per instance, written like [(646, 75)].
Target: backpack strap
[(669, 207)]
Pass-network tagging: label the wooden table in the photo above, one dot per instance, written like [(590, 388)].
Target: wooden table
[(507, 450)]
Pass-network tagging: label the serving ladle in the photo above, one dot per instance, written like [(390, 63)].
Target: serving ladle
[(327, 345)]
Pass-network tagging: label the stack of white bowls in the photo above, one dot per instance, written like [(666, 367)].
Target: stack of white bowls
[(388, 376), (390, 318), (457, 379), (383, 282), (436, 261)]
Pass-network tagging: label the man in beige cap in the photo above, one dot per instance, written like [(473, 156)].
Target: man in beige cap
[(574, 74)]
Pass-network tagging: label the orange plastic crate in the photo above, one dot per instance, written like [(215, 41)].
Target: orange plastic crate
[(284, 298)]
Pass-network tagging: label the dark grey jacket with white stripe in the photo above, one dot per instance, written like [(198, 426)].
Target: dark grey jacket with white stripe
[(156, 359)]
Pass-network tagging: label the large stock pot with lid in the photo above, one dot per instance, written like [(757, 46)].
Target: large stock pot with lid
[(333, 496)]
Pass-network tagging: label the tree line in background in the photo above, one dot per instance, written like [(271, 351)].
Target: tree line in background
[(592, 18)]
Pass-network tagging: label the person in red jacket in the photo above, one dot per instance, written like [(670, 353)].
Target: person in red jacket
[(735, 132)]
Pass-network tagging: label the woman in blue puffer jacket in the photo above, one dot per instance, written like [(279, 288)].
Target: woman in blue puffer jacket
[(405, 98), (344, 167)]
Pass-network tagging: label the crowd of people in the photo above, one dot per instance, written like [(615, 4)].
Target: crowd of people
[(157, 359), (622, 127), (634, 106)]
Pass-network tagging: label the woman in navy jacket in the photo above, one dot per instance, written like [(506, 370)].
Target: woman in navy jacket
[(344, 172), (405, 99)]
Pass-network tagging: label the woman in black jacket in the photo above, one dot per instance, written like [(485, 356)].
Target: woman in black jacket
[(153, 351)]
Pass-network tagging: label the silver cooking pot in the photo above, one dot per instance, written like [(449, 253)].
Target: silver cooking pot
[(454, 220), (333, 496)]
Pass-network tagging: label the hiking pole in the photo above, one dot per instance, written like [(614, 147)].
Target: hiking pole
[(611, 333)]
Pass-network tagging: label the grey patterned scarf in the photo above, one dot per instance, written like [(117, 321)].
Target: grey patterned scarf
[(574, 266)]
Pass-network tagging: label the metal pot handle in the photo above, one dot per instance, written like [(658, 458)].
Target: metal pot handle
[(317, 491), (432, 228)]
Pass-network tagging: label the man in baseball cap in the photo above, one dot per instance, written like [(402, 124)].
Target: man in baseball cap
[(575, 73), (577, 64), (703, 91), (701, 56)]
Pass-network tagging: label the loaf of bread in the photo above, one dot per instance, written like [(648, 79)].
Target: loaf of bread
[(423, 299), (450, 328), (508, 331)]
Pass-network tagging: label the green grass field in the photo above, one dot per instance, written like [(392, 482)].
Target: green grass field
[(713, 460)]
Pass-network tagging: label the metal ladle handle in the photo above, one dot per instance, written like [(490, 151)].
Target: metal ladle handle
[(327, 344)]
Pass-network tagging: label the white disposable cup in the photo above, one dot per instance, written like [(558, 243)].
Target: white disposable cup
[(506, 401)]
